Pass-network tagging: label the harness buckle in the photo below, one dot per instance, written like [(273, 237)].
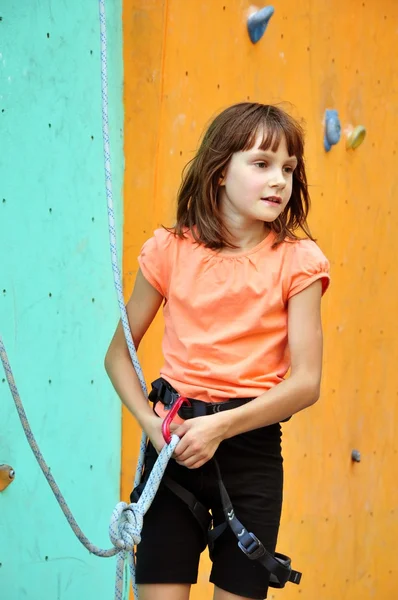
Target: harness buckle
[(255, 549)]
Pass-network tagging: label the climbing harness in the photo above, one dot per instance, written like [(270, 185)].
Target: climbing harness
[(127, 519), (278, 565)]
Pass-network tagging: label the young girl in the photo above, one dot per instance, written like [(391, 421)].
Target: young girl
[(241, 295)]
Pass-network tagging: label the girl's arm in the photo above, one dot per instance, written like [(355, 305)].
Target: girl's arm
[(141, 310), (300, 390)]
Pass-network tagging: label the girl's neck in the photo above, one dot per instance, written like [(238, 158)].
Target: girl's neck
[(246, 238)]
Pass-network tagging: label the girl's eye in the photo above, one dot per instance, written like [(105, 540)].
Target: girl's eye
[(261, 164), (289, 170)]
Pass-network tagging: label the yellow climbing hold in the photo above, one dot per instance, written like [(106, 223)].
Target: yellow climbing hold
[(356, 137), (7, 475)]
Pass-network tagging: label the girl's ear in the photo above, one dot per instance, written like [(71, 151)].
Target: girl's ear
[(221, 179)]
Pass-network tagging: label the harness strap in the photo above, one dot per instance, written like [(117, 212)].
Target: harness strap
[(198, 510), (278, 565), (163, 391)]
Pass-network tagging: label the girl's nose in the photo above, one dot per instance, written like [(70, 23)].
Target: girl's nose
[(278, 180)]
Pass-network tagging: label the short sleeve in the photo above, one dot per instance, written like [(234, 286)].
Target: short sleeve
[(308, 264), (154, 260)]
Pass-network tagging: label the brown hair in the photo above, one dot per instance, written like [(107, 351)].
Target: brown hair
[(235, 130)]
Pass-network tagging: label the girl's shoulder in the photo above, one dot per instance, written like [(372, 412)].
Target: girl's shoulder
[(166, 239), (304, 249), (158, 256), (304, 263)]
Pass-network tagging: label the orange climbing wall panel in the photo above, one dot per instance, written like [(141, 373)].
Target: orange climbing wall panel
[(185, 61)]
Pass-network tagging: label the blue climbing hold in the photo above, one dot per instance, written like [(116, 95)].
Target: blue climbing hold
[(332, 129), (257, 23)]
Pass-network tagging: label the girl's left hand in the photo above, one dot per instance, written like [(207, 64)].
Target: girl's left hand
[(200, 438)]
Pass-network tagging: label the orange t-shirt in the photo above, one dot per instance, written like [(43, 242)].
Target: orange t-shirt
[(226, 315)]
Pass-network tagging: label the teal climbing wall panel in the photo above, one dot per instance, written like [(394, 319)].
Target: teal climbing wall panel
[(58, 307)]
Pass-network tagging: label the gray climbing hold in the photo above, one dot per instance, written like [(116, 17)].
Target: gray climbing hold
[(332, 129), (257, 23), (356, 456)]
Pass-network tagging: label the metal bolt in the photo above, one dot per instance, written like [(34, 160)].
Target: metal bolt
[(356, 456)]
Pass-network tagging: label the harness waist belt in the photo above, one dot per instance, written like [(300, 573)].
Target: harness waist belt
[(163, 391)]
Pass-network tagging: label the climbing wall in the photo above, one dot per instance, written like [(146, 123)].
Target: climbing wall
[(57, 304), (184, 62)]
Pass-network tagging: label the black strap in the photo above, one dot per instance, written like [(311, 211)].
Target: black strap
[(198, 510), (165, 393), (278, 565)]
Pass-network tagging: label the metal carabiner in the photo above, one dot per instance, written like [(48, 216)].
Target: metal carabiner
[(172, 413)]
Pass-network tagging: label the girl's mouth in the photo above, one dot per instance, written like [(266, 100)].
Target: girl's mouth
[(272, 200)]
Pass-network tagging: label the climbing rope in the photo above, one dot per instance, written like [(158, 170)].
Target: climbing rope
[(127, 519)]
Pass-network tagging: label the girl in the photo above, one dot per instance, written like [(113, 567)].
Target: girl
[(241, 296)]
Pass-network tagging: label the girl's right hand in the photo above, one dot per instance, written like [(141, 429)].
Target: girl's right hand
[(153, 429)]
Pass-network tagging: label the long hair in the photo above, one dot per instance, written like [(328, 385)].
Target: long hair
[(235, 130)]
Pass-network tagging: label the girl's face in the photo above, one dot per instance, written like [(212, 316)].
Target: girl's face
[(257, 184)]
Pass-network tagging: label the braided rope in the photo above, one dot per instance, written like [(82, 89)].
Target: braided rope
[(127, 519)]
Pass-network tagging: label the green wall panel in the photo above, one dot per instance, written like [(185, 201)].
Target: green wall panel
[(58, 307)]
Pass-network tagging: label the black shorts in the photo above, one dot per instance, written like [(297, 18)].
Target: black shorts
[(172, 540)]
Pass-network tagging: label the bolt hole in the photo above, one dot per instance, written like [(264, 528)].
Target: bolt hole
[(48, 35), (46, 558), (92, 299), (50, 295)]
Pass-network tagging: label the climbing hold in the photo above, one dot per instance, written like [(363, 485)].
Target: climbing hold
[(356, 137), (7, 475), (257, 23), (332, 129), (356, 456)]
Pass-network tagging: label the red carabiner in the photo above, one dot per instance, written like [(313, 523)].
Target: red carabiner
[(171, 414)]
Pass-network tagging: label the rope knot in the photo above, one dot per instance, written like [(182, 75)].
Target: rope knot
[(126, 526)]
